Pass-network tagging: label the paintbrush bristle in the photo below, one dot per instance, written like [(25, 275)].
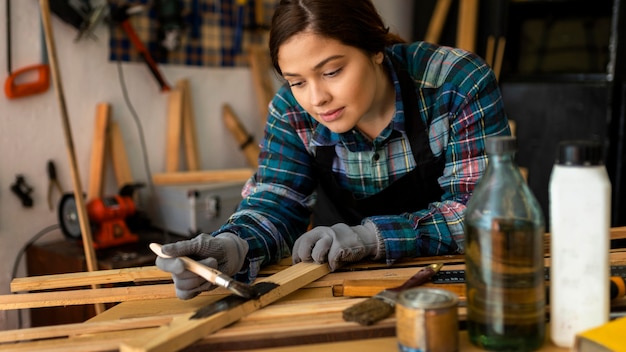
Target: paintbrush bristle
[(368, 312), (244, 290)]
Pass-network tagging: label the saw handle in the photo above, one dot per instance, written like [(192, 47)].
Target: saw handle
[(13, 89)]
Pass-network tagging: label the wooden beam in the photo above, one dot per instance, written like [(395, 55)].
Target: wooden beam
[(67, 330), (89, 296), (177, 178), (437, 21), (184, 331), (467, 25), (83, 219), (113, 276), (189, 127), (260, 67), (119, 157), (174, 130), (98, 151)]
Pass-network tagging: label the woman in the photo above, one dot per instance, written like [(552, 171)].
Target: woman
[(377, 142)]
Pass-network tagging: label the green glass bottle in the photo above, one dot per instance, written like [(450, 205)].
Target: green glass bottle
[(504, 257)]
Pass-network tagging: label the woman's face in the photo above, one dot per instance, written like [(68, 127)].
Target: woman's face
[(339, 85)]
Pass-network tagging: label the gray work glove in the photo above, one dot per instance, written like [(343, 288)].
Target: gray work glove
[(225, 252), (337, 244)]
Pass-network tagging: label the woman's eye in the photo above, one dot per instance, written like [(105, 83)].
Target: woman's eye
[(295, 84), (333, 73)]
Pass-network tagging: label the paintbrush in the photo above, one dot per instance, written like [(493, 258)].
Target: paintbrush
[(381, 305), (212, 275)]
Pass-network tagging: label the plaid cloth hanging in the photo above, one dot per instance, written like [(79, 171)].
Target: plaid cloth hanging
[(208, 36)]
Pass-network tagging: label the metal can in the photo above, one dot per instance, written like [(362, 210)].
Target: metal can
[(427, 320)]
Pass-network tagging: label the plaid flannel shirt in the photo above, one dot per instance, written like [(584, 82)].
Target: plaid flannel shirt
[(460, 103)]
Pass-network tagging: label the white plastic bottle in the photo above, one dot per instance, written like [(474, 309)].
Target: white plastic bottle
[(580, 220)]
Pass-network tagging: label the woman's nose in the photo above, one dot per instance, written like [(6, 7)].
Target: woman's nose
[(319, 95)]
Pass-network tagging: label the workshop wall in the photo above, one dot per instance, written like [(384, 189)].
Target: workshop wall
[(31, 131)]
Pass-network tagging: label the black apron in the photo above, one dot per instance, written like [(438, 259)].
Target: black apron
[(411, 192)]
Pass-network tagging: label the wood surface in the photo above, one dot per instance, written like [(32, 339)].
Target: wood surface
[(189, 127), (182, 331), (260, 68), (119, 157), (174, 130), (47, 282), (246, 142), (467, 25), (310, 316), (437, 21), (98, 151), (85, 228), (179, 178)]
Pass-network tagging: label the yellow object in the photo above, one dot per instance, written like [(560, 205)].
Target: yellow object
[(605, 338)]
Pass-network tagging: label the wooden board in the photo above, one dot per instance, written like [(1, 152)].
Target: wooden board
[(174, 130), (183, 331), (177, 178), (119, 157), (98, 151), (189, 127)]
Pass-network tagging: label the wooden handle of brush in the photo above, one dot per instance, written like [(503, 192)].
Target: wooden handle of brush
[(418, 279), (206, 272)]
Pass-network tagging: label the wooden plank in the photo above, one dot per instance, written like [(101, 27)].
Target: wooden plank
[(184, 331), (174, 129), (189, 127), (246, 142), (98, 151), (47, 282), (119, 157), (90, 296), (467, 24), (260, 67), (177, 178), (66, 330), (437, 21), (83, 219)]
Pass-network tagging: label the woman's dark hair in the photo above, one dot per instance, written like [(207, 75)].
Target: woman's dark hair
[(352, 22)]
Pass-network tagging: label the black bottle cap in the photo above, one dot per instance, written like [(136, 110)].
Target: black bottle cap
[(580, 152), (501, 144)]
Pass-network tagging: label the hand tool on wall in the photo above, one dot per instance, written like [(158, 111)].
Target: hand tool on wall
[(381, 305), (122, 15), (169, 16), (212, 275), (22, 191), (53, 182), (12, 86), (90, 254), (246, 141), (238, 38)]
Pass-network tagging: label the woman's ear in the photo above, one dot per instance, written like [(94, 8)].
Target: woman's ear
[(378, 57)]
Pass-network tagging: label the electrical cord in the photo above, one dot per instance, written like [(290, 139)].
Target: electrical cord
[(133, 113), (18, 258)]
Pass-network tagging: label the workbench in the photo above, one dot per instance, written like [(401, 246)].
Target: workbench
[(309, 318)]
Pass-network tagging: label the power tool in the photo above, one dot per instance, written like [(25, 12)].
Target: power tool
[(107, 217)]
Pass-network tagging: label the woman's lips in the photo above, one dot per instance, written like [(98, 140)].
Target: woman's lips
[(331, 115)]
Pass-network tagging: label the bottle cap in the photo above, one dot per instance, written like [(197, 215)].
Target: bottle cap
[(501, 144), (582, 152)]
